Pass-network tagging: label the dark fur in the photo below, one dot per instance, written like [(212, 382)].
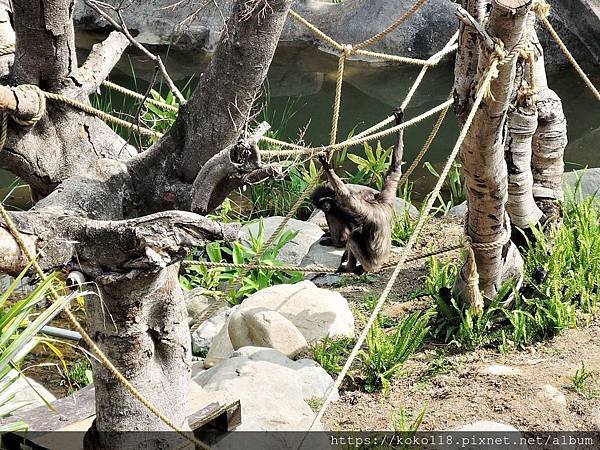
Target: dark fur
[(362, 221)]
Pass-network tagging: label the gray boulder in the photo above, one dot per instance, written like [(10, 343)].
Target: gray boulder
[(313, 379), (588, 181), (316, 312), (458, 211), (295, 250), (220, 348), (204, 335), (270, 394), (263, 327)]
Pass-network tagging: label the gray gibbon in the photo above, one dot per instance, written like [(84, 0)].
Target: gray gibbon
[(361, 221)]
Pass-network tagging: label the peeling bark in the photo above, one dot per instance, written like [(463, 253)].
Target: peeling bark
[(483, 162)]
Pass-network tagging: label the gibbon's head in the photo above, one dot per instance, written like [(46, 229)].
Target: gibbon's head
[(323, 197)]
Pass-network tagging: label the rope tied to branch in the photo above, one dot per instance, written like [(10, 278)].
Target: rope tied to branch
[(541, 8), (23, 122), (471, 274)]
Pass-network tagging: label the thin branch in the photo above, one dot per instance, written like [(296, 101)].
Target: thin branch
[(466, 18), (122, 27)]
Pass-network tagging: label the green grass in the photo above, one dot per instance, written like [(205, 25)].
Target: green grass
[(546, 306), (332, 353), (582, 382), (387, 351)]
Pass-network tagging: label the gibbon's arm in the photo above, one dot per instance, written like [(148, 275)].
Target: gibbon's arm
[(390, 184), (344, 196)]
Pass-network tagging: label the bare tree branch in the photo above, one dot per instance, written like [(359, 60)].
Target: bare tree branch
[(122, 27), (100, 62)]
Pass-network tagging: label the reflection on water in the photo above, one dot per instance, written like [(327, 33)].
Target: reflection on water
[(303, 81)]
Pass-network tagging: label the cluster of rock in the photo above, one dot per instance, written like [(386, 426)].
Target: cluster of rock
[(249, 349), (188, 29)]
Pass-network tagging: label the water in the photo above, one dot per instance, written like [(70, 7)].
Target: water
[(301, 86)]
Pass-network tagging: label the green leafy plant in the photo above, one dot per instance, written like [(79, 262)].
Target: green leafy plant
[(404, 421), (19, 325), (387, 351), (199, 275), (372, 168), (331, 353), (562, 276), (79, 375), (455, 184), (581, 382)]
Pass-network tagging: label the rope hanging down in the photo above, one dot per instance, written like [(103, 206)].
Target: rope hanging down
[(542, 9)]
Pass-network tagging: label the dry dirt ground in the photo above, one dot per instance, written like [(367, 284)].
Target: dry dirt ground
[(536, 394)]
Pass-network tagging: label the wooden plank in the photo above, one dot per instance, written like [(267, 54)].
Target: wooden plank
[(73, 408), (213, 409)]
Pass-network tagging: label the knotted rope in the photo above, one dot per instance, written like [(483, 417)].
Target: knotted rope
[(23, 122), (471, 274)]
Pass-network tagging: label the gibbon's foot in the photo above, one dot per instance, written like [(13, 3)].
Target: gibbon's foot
[(326, 241), (324, 162), (342, 269), (358, 270)]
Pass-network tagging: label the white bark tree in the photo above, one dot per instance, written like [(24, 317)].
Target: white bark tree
[(512, 132)]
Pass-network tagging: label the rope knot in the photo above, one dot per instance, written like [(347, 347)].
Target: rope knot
[(499, 52), (41, 105), (348, 50), (541, 8)]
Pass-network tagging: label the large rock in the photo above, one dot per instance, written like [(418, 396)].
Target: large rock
[(589, 183), (204, 335), (313, 379), (316, 312), (295, 250), (263, 327), (157, 22), (270, 394), (220, 348)]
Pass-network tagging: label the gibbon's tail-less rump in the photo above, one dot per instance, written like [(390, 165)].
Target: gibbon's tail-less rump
[(362, 221)]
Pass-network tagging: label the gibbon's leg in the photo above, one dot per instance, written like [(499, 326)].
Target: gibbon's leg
[(390, 183), (326, 240)]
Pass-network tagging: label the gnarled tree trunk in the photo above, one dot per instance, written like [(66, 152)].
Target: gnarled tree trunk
[(119, 216), (482, 153)]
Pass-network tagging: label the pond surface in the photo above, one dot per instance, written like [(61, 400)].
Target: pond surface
[(301, 87)]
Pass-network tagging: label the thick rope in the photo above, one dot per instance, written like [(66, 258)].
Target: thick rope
[(123, 90), (23, 122), (313, 268), (488, 76), (101, 114), (6, 49), (426, 145), (324, 37), (379, 36), (476, 300), (354, 141), (542, 9)]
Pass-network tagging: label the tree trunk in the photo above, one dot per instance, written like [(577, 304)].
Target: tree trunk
[(142, 325), (521, 125), (109, 212), (483, 162)]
